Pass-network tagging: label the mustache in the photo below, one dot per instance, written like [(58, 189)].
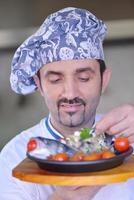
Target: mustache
[(71, 101)]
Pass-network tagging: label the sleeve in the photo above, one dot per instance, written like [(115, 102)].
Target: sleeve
[(12, 188)]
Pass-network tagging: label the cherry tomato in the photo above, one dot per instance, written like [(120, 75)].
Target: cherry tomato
[(107, 154), (60, 157), (93, 156), (121, 144), (31, 145)]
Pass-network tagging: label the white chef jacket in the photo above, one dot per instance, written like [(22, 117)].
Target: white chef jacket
[(15, 151)]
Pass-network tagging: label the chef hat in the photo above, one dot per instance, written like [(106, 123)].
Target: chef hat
[(68, 34)]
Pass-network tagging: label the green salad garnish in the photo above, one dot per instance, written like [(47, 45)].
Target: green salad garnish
[(85, 133)]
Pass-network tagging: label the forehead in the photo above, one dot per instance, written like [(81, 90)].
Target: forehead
[(70, 66)]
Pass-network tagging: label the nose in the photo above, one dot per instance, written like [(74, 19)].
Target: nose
[(71, 90)]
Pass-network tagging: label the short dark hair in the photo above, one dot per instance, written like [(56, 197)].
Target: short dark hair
[(102, 66)]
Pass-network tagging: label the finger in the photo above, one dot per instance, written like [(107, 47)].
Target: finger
[(72, 187), (129, 133), (119, 128), (67, 187), (88, 192), (110, 119), (107, 122), (131, 139)]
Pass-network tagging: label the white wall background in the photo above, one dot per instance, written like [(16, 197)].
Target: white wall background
[(15, 118)]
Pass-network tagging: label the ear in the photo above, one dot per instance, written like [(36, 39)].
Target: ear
[(38, 83), (105, 79)]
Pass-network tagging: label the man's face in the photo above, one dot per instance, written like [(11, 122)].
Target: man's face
[(71, 90)]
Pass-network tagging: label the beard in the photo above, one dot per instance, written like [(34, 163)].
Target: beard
[(81, 117), (69, 118)]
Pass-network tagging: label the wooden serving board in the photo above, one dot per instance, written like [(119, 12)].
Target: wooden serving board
[(29, 171)]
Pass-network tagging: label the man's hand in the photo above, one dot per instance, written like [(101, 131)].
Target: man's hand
[(119, 120), (71, 193)]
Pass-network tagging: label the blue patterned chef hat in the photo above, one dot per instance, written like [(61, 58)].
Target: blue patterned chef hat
[(68, 34)]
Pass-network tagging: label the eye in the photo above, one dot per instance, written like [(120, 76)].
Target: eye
[(84, 79), (84, 76), (54, 79)]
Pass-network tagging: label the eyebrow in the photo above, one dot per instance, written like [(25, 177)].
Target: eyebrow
[(85, 69), (52, 73), (80, 70)]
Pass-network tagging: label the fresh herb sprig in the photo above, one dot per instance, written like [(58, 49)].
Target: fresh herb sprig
[(85, 133)]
